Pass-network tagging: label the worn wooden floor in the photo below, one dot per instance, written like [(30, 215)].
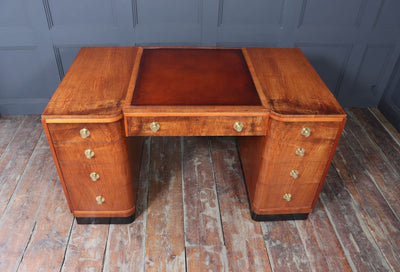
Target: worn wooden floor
[(193, 211)]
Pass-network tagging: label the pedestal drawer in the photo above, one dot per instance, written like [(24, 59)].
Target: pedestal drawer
[(92, 198), (299, 131), (91, 152), (86, 132), (294, 173), (286, 196), (298, 151), (98, 174)]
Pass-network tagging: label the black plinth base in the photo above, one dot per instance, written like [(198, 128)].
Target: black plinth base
[(279, 217), (105, 220)]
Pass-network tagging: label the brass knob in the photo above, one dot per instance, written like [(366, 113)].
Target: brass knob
[(154, 126), (89, 153), (287, 197), (306, 131), (100, 199), (94, 176), (294, 174), (300, 152), (238, 126), (84, 133)]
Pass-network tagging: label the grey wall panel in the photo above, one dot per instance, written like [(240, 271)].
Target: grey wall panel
[(87, 12), (28, 70), (252, 22), (390, 102), (353, 45), (368, 87), (388, 15), (160, 21), (330, 60), (256, 12), (327, 13), (90, 22), (20, 63)]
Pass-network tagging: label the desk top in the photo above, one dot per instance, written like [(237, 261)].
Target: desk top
[(104, 81)]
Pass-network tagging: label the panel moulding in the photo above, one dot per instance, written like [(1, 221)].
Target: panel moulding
[(60, 67), (135, 16), (47, 11)]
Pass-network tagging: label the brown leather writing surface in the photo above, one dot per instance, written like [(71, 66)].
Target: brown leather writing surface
[(194, 77)]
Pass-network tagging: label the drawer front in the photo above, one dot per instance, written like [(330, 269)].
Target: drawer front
[(291, 152), (288, 196), (196, 126), (91, 152), (294, 173), (307, 131), (109, 175), (110, 132), (93, 198)]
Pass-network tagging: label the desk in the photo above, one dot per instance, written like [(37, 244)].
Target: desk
[(287, 123)]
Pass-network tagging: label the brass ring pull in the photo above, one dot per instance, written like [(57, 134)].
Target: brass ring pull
[(238, 126), (100, 199), (94, 176), (89, 153), (154, 126), (294, 174), (287, 197), (84, 133), (300, 152), (306, 132)]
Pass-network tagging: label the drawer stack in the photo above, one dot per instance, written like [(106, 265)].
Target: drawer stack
[(94, 165), (294, 157)]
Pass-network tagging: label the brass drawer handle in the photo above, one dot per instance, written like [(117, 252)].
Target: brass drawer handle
[(94, 176), (287, 197), (294, 174), (100, 199), (306, 132), (154, 126), (89, 153), (84, 133), (300, 152), (238, 126)]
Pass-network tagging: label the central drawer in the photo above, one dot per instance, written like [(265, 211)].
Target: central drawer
[(195, 126)]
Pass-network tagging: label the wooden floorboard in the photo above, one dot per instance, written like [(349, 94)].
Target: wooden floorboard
[(20, 218), (165, 245), (193, 211), (126, 246), (243, 237), (204, 240), (16, 156)]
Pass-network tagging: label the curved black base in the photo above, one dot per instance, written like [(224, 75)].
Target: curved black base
[(278, 217), (105, 220)]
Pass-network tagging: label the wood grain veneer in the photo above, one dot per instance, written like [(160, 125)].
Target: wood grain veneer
[(285, 151), (290, 83), (196, 126), (94, 86), (116, 92), (99, 133), (291, 130), (75, 153)]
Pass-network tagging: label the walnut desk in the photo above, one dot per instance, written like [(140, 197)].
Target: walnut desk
[(287, 122)]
